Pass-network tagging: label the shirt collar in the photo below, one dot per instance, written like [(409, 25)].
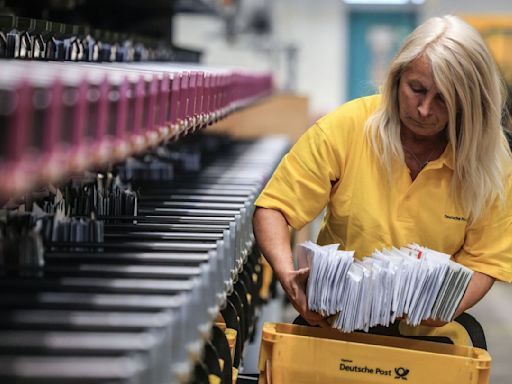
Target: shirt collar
[(446, 158)]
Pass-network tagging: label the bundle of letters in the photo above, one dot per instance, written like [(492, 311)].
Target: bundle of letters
[(412, 282)]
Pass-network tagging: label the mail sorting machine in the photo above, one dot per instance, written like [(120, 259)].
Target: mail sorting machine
[(138, 307), (102, 284)]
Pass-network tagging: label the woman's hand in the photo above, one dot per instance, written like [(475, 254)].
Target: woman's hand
[(433, 323), (273, 237), (294, 284)]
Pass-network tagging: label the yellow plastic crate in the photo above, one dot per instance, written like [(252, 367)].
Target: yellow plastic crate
[(297, 354)]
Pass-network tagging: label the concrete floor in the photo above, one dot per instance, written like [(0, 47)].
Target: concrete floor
[(494, 312)]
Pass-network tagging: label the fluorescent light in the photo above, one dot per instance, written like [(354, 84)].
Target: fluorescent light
[(384, 2)]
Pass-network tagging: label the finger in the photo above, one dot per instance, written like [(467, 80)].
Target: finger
[(318, 321), (303, 274), (311, 317), (433, 323), (324, 324)]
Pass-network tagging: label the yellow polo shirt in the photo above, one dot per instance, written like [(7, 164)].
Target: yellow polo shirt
[(332, 165)]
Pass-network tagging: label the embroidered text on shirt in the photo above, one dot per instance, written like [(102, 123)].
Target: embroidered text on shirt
[(458, 218)]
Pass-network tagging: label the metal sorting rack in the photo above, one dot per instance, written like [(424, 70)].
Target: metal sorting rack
[(141, 306), (35, 39), (60, 118)]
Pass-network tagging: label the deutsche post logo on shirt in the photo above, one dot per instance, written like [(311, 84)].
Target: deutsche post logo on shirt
[(456, 218)]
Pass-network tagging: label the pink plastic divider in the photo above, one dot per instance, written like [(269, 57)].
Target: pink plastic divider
[(21, 122), (220, 91), (214, 93), (225, 90), (175, 97), (207, 104), (192, 95), (164, 99), (53, 119), (200, 94), (138, 107), (103, 102), (184, 94), (16, 172), (80, 115), (221, 84), (122, 110), (151, 112)]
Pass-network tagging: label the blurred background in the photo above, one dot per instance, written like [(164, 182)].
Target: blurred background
[(330, 50)]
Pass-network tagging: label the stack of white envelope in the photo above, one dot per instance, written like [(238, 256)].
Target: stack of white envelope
[(412, 282)]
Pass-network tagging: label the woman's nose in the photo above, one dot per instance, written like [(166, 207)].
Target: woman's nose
[(425, 107)]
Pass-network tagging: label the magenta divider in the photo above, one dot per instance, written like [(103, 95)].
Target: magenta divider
[(183, 105), (53, 118), (225, 89), (175, 98), (213, 87), (122, 109), (192, 95), (80, 114), (21, 121), (207, 93), (103, 110), (164, 99), (138, 106), (200, 94), (220, 93), (238, 94), (152, 103), (218, 87), (231, 89)]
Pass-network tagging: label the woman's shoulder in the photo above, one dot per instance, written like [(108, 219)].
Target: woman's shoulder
[(351, 116)]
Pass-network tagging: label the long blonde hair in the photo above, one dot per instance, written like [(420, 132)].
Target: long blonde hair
[(475, 96)]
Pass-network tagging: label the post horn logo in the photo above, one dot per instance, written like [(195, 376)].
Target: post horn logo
[(401, 373)]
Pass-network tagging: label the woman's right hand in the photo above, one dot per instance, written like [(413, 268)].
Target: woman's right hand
[(294, 284), (273, 237)]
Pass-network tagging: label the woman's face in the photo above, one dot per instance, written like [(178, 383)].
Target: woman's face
[(422, 108)]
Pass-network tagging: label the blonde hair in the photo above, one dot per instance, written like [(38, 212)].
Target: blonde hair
[(475, 96)]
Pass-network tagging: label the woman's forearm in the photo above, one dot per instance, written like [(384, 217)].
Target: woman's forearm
[(273, 237), (477, 288)]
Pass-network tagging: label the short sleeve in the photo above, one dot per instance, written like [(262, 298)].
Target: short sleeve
[(301, 185), (488, 244)]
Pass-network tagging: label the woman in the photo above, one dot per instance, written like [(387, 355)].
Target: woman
[(426, 162)]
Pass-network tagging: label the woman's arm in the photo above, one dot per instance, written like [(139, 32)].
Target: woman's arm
[(478, 286), (273, 238)]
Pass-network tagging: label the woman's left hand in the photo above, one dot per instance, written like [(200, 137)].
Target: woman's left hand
[(433, 323)]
